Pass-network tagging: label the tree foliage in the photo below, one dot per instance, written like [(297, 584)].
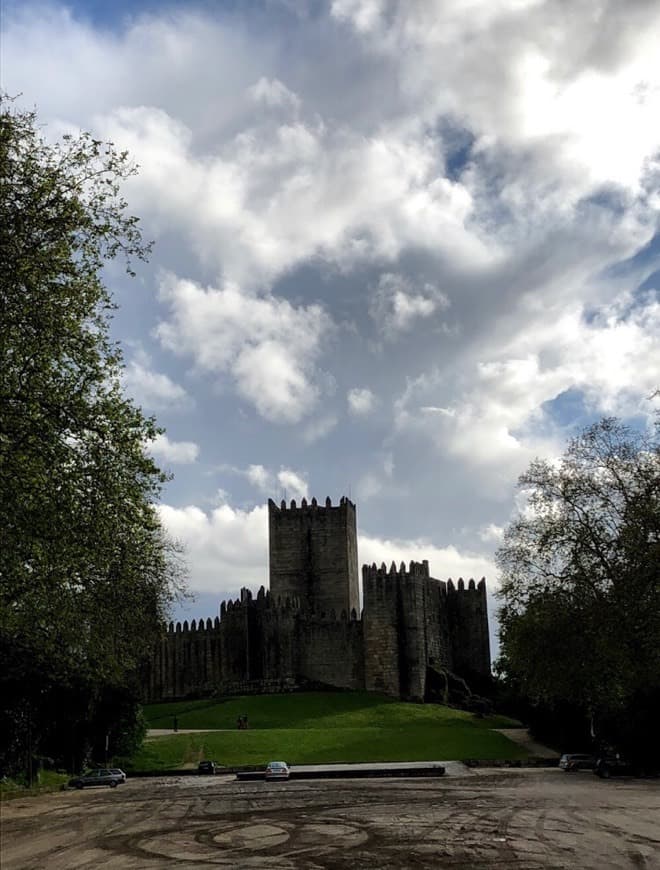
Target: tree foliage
[(580, 621), (86, 571)]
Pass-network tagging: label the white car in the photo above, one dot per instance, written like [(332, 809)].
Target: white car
[(277, 770)]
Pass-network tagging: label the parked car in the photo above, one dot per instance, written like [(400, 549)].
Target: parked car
[(613, 765), (277, 770), (119, 772), (573, 761), (207, 767), (102, 776)]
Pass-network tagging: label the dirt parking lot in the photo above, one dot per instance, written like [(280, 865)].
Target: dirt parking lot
[(512, 819)]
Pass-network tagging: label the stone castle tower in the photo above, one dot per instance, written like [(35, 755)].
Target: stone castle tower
[(313, 555), (308, 630)]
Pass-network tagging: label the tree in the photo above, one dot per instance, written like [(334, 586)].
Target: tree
[(86, 570), (580, 621)]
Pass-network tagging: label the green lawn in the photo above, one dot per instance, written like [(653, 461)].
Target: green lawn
[(320, 727)]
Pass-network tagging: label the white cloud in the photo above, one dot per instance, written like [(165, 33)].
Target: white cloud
[(361, 401), (221, 496), (378, 481), (278, 195), (444, 562), (259, 477), (225, 549), (151, 389), (272, 483), (179, 452), (493, 416), (266, 344), (318, 428), (491, 533), (273, 93), (198, 63), (554, 109), (293, 483), (529, 72), (397, 303), (370, 486), (270, 377), (363, 14)]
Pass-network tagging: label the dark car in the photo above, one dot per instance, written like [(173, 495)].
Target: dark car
[(613, 765), (102, 776), (573, 761), (207, 767)]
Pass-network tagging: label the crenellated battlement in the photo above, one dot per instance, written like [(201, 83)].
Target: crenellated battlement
[(330, 616), (477, 588), (383, 582), (371, 573), (194, 627), (265, 600), (313, 505)]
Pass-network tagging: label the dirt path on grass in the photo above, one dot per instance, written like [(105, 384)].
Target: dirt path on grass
[(168, 732), (523, 738)]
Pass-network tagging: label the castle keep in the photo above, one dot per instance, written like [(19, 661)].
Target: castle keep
[(308, 628)]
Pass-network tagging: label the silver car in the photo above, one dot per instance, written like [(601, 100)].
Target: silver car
[(277, 770), (102, 776), (119, 772)]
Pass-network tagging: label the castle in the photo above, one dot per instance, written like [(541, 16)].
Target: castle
[(308, 630)]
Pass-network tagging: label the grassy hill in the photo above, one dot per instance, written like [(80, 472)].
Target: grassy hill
[(319, 727)]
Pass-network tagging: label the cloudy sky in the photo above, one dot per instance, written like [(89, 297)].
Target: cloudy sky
[(402, 248)]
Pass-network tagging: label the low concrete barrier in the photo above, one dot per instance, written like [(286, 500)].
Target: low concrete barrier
[(353, 771)]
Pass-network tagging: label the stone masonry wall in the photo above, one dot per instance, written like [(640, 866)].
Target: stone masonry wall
[(186, 661), (380, 619), (412, 629), (438, 640), (313, 555), (331, 650), (251, 648), (413, 622), (468, 621)]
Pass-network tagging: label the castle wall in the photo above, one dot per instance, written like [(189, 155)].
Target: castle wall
[(413, 630), (468, 621), (252, 648), (438, 640), (402, 628), (380, 619), (234, 639), (276, 647), (331, 651), (186, 661), (413, 622), (313, 555)]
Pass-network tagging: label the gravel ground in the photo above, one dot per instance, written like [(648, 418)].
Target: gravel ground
[(472, 819)]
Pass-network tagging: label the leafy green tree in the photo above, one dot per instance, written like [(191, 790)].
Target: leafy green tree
[(86, 571), (580, 621)]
